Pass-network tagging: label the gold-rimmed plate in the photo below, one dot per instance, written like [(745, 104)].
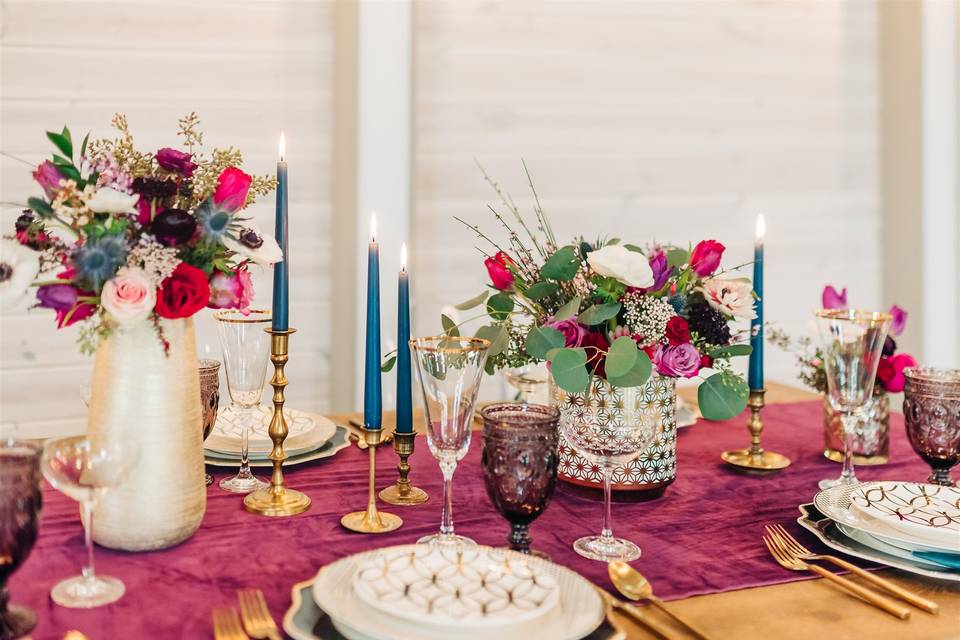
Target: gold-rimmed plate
[(339, 441)]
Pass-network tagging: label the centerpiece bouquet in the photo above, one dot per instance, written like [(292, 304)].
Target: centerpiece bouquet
[(607, 315), (129, 245), (871, 443)]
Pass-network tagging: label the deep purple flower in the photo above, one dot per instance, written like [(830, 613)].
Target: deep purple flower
[(173, 227), (572, 331), (833, 300), (677, 361), (661, 271), (59, 297), (889, 346), (177, 161), (48, 176), (899, 320)]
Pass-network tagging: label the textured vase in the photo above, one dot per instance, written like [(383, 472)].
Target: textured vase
[(647, 476), (144, 396), (871, 444)]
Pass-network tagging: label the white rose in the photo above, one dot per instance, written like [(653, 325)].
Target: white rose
[(733, 297), (251, 243), (107, 200), (129, 296), (19, 265), (629, 267)]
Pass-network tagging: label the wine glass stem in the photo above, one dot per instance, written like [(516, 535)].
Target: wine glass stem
[(245, 443), (446, 520), (607, 532), (849, 433), (88, 571)]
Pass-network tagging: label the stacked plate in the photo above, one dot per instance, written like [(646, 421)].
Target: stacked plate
[(908, 525), (437, 592), (311, 436)]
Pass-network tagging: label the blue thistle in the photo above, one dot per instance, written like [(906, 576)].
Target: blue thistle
[(677, 303), (98, 261), (213, 221)]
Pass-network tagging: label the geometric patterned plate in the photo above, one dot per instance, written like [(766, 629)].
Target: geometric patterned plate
[(927, 511), (340, 440), (306, 431)]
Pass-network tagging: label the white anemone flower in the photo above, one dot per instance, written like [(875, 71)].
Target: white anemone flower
[(247, 240), (107, 200), (19, 266)]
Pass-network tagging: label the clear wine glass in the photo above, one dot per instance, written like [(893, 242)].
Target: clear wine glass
[(85, 470), (246, 351), (19, 521), (449, 369), (852, 345), (610, 439)]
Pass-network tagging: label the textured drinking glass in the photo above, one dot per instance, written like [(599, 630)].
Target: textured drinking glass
[(608, 439), (209, 398), (931, 411), (246, 351), (19, 520), (449, 369), (85, 470), (520, 457), (852, 345)]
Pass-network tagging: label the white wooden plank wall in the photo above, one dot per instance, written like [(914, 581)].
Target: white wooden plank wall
[(249, 68), (655, 120)]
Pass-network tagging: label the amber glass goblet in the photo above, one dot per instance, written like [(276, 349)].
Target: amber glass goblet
[(19, 520), (519, 459), (209, 399), (931, 411)]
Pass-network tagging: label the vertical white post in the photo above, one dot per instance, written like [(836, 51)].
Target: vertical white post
[(941, 166), (384, 157)]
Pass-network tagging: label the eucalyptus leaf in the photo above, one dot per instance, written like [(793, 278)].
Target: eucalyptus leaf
[(570, 309), (731, 351), (61, 142), (621, 357), (638, 374), (677, 257), (40, 206), (388, 365), (476, 301), (540, 340), (598, 313), (562, 265), (633, 247), (499, 306), (449, 326), (541, 290), (569, 370), (497, 335), (722, 396), (553, 353)]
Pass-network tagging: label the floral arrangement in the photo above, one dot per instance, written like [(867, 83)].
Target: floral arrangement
[(810, 359), (122, 236), (613, 310)]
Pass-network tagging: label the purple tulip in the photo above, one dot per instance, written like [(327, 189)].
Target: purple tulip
[(572, 331), (661, 271), (60, 297), (899, 320), (177, 161), (833, 300), (680, 361)]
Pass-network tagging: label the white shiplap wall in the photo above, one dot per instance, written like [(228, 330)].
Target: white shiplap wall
[(250, 69), (655, 120)]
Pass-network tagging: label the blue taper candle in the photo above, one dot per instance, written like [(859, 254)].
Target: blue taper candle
[(404, 385), (281, 292), (755, 377), (372, 391)]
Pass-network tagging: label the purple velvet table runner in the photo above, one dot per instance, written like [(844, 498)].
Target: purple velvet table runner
[(709, 511)]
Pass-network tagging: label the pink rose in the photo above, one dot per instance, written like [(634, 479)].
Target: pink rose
[(899, 321), (129, 296), (499, 270), (705, 258), (572, 331), (48, 176), (232, 187), (231, 290), (890, 371), (679, 361), (833, 300)]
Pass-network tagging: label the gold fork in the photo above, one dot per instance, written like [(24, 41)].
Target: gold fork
[(798, 550), (788, 561), (226, 624), (256, 616)]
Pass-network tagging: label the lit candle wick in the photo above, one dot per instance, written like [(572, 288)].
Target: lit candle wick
[(373, 227), (283, 146), (761, 228), (403, 257)]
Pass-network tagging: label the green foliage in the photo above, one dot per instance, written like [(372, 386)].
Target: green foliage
[(40, 206), (562, 265), (500, 306), (449, 326), (498, 336), (569, 370), (621, 357), (541, 340), (599, 313), (62, 142), (388, 364), (639, 373), (568, 310), (677, 257), (722, 396), (633, 247), (540, 290), (609, 289), (475, 301), (731, 351)]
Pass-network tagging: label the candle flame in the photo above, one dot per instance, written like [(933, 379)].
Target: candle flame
[(761, 227), (283, 146), (373, 227), (403, 257)]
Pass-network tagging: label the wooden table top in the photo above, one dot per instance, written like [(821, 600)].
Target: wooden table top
[(808, 609)]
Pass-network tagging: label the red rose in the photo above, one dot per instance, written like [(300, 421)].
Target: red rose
[(184, 293), (499, 271), (706, 362), (232, 187), (705, 258), (678, 331), (596, 346), (890, 371)]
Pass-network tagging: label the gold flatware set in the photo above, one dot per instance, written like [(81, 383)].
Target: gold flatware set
[(253, 621)]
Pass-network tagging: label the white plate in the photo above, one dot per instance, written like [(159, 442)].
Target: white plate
[(307, 431), (580, 612), (340, 440), (928, 512), (873, 542), (835, 504)]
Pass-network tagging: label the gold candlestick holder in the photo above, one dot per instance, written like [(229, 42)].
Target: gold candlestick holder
[(371, 520), (277, 499), (403, 493), (755, 457)]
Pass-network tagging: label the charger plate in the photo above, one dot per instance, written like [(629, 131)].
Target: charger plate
[(306, 432), (340, 440), (826, 530), (305, 620)]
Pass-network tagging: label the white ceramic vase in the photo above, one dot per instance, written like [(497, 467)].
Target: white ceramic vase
[(141, 394)]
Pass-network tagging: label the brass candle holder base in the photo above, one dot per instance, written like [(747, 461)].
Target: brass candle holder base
[(755, 457), (277, 500), (372, 520), (403, 493)]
